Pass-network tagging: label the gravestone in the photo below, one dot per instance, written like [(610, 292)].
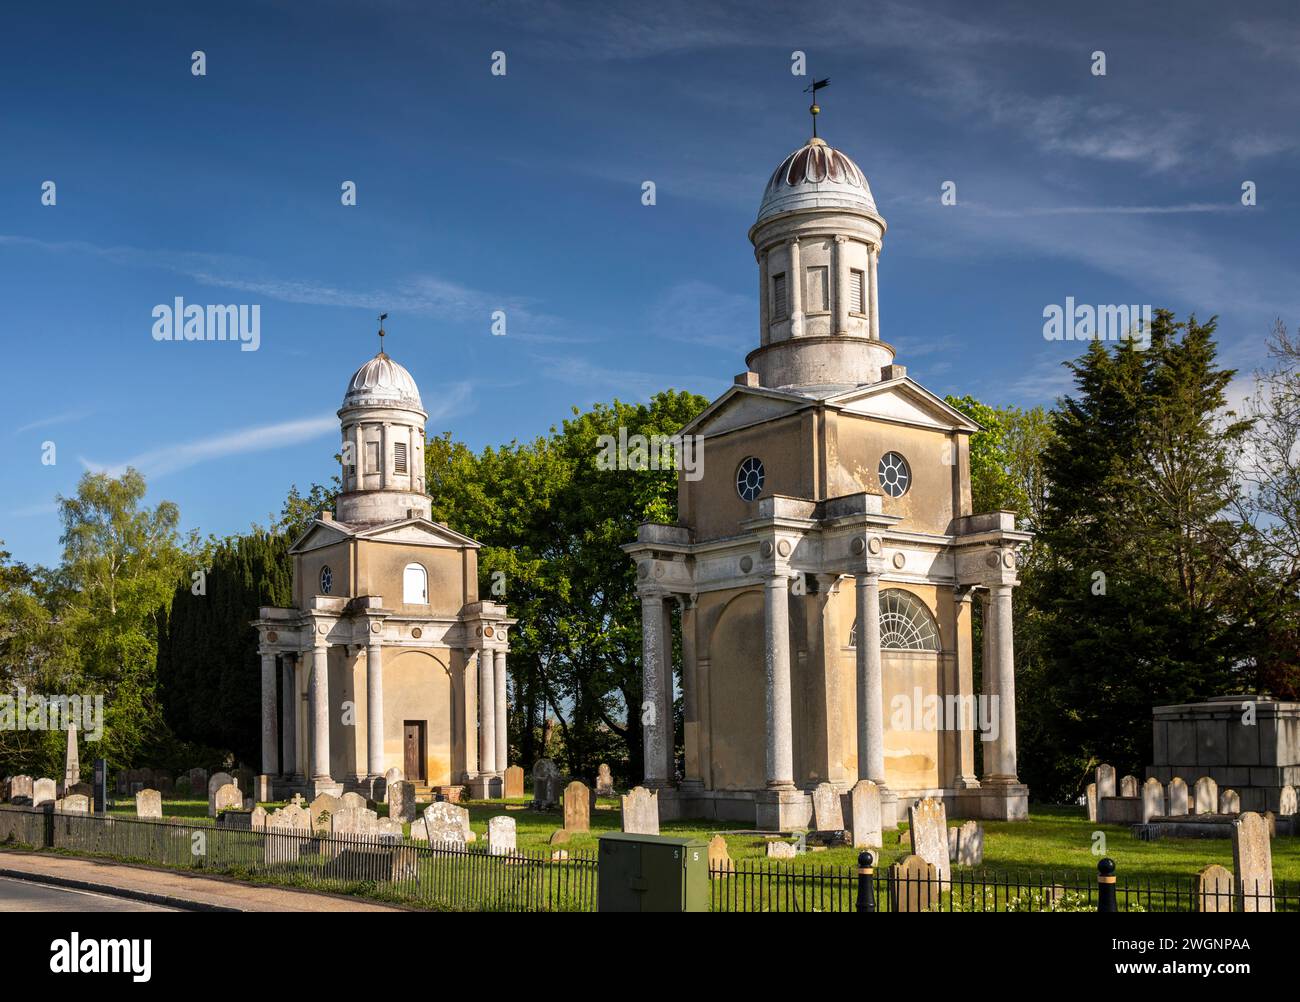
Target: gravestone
[(641, 811), (446, 823), (828, 815), (258, 819), (1105, 781), (43, 792), (389, 828), (1128, 786), (227, 798), (263, 789), (401, 801), (1213, 889), (577, 807), (719, 858), (501, 835), (215, 783), (1153, 799), (148, 804), (1206, 796), (355, 801), (287, 831), (1229, 802), (928, 822), (393, 775), (1091, 794), (1252, 863), (864, 808), (322, 809), (85, 789), (1286, 802), (970, 844), (952, 845), (604, 781), (546, 784), (558, 837), (72, 761), (76, 803), (1177, 798), (21, 790), (776, 849), (514, 782), (913, 885), (353, 821)]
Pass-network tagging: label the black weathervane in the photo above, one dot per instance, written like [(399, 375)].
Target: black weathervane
[(382, 318), (812, 89)]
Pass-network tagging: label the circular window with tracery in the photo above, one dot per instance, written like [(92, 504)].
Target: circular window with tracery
[(749, 479), (895, 475), (326, 580)]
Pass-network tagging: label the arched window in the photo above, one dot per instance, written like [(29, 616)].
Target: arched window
[(905, 623), (415, 585)]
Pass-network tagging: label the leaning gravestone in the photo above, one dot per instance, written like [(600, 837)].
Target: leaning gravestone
[(970, 844), (1091, 794), (215, 783), (1286, 802), (514, 782), (1153, 799), (75, 803), (401, 801), (21, 790), (719, 858), (1206, 796), (43, 792), (864, 806), (228, 798), (1128, 786), (1252, 861), (445, 823), (641, 811), (1177, 798), (828, 814), (322, 809), (928, 822), (1105, 781), (501, 835), (148, 804), (393, 775), (913, 885), (354, 801), (1213, 889), (577, 807), (1229, 802), (604, 781), (546, 784)]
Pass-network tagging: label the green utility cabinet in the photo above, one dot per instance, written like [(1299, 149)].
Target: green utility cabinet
[(653, 873)]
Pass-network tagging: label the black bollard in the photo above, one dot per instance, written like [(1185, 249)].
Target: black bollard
[(866, 882), (1106, 886)]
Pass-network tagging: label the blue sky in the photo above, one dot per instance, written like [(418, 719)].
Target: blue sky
[(522, 193)]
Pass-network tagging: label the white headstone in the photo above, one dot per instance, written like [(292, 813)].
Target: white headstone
[(1177, 798), (929, 827), (864, 805), (1105, 781), (1252, 859), (828, 815), (501, 835), (641, 811), (148, 804), (1206, 796), (1153, 799)]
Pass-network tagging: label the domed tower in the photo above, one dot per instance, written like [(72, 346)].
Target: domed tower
[(817, 241), (383, 445)]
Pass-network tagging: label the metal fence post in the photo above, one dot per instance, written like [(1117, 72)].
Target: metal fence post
[(866, 882), (1106, 886)]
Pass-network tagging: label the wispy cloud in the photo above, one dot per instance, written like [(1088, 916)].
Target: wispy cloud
[(701, 314), (64, 418)]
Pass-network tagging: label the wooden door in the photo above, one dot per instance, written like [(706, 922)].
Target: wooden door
[(413, 750)]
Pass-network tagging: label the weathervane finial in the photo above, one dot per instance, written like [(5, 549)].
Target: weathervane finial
[(382, 318), (813, 109)]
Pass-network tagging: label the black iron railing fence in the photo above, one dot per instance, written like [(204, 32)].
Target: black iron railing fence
[(456, 877)]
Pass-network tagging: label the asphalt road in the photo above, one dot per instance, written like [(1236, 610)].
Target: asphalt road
[(27, 896)]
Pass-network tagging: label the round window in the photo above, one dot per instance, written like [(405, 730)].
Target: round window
[(326, 580), (895, 477), (749, 479)]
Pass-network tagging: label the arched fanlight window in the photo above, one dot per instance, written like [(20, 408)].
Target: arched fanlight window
[(415, 585), (905, 623)]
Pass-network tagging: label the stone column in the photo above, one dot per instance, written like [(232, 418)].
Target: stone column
[(873, 305), (270, 715), (989, 686), (652, 665), (795, 289), (289, 716), (503, 743), (776, 655), (384, 447), (1004, 652), (487, 742), (764, 299), (374, 708), (690, 697), (840, 263), (666, 694), (320, 710), (871, 699)]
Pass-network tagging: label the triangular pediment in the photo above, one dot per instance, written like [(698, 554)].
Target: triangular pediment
[(320, 533), (418, 531), (741, 406), (905, 401)]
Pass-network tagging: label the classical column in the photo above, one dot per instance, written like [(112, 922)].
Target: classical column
[(270, 717), (776, 657), (840, 264), (764, 299), (320, 710), (289, 716), (503, 750), (690, 696), (652, 665), (1004, 654), (384, 448), (374, 708), (666, 694), (487, 714), (873, 255), (871, 698), (989, 686), (794, 289)]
